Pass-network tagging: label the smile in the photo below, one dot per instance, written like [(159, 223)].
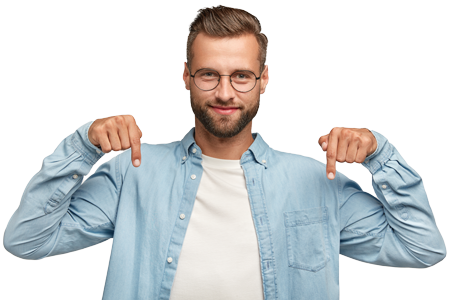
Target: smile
[(227, 111)]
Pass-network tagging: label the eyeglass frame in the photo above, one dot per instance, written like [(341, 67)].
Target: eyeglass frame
[(220, 76)]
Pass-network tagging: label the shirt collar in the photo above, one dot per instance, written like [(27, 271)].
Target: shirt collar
[(257, 150)]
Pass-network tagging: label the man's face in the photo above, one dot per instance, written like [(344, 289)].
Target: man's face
[(225, 55)]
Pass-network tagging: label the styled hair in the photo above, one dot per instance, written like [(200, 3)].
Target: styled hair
[(222, 21)]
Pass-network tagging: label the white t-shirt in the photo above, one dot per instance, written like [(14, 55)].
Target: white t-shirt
[(219, 258)]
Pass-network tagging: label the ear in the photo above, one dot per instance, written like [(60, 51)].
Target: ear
[(264, 79), (187, 77)]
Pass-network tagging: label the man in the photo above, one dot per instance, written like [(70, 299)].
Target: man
[(220, 214)]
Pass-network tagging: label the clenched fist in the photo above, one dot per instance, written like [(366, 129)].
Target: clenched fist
[(347, 145), (117, 133)]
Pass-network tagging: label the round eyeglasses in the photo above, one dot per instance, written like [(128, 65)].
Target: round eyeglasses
[(208, 79)]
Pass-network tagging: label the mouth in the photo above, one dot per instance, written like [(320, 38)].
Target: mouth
[(225, 110)]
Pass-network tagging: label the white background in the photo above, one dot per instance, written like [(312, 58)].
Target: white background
[(380, 65)]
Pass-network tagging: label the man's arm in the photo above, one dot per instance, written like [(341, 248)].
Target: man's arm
[(59, 214), (397, 229)]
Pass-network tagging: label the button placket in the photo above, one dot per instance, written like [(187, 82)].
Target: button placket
[(193, 168)]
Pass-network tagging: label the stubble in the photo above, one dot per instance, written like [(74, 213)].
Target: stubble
[(223, 126)]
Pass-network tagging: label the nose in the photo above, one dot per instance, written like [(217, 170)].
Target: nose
[(225, 91)]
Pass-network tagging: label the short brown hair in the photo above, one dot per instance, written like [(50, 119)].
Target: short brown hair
[(222, 21)]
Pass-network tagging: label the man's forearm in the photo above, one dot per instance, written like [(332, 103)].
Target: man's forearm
[(46, 198), (402, 232)]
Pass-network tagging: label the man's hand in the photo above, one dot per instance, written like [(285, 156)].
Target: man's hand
[(347, 145), (117, 133)]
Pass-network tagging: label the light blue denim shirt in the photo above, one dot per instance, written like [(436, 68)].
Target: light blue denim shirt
[(303, 220)]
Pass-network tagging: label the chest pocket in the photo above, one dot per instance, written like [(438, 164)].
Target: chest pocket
[(307, 238)]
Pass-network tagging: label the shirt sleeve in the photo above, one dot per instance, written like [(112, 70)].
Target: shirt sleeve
[(395, 229), (58, 213)]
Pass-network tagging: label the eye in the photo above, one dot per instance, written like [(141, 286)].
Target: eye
[(243, 76), (207, 75)]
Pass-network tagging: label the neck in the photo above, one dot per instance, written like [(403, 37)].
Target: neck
[(223, 148)]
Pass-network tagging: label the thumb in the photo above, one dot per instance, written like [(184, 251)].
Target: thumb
[(324, 143)]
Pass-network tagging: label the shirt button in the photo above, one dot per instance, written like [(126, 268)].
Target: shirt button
[(193, 176), (98, 151), (75, 176), (263, 161), (384, 186), (169, 260), (182, 216), (184, 157), (194, 150), (367, 161)]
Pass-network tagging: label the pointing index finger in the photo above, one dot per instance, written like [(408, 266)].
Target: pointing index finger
[(135, 142), (331, 154)]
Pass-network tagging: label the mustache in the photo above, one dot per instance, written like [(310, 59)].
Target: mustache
[(223, 105)]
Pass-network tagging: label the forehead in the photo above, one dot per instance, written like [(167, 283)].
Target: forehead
[(225, 54)]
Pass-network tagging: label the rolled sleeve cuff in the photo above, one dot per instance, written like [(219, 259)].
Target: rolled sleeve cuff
[(382, 154), (82, 143)]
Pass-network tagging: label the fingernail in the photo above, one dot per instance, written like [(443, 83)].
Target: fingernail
[(323, 145), (137, 162), (330, 175)]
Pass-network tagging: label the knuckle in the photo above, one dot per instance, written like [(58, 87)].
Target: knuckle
[(116, 147), (331, 154), (359, 160), (337, 129), (120, 120), (125, 145), (334, 130), (347, 133), (365, 141), (135, 141), (130, 118), (110, 124), (359, 138)]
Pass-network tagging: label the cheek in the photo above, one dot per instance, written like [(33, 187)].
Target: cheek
[(200, 98), (251, 98)]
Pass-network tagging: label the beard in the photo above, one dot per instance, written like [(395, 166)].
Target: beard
[(223, 126)]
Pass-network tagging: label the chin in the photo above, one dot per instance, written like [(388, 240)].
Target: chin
[(220, 130)]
